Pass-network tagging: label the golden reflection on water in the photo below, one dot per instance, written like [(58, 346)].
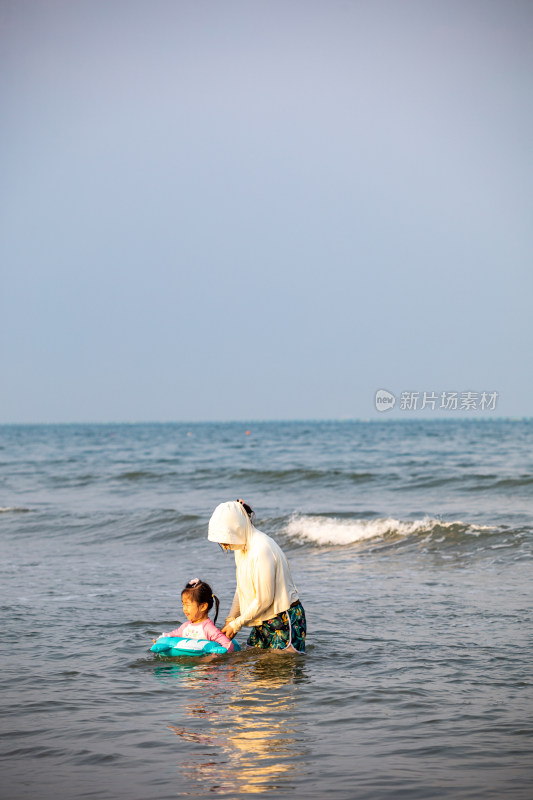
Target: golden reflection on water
[(242, 716)]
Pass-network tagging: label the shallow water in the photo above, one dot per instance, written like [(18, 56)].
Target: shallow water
[(411, 544)]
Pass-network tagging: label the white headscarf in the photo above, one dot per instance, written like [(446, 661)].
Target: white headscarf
[(229, 524)]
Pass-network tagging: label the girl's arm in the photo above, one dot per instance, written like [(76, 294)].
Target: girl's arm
[(212, 633), (178, 631)]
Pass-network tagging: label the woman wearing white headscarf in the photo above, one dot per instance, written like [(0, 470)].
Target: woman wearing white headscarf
[(266, 598)]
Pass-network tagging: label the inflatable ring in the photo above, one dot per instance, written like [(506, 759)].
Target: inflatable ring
[(180, 646)]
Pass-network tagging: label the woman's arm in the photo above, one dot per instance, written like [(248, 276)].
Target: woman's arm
[(235, 609), (263, 577)]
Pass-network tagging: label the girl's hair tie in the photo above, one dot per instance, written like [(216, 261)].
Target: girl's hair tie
[(194, 582)]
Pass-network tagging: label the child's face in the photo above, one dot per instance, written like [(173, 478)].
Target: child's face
[(195, 612)]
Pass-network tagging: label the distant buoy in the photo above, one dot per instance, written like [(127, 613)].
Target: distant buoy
[(248, 433)]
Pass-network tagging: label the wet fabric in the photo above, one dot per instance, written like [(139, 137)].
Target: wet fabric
[(282, 631)]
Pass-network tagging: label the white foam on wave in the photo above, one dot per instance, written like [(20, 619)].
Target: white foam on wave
[(334, 531)]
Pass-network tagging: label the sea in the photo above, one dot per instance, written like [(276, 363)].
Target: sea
[(410, 542)]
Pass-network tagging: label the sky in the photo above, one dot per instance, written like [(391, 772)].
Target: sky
[(250, 210)]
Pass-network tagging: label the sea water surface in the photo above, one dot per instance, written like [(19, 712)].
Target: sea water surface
[(411, 543)]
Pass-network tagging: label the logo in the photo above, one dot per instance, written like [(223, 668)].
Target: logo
[(417, 401), (384, 400)]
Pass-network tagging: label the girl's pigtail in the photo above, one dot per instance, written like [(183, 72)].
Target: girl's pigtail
[(217, 604)]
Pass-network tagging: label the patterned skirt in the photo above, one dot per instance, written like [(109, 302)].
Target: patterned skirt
[(282, 631)]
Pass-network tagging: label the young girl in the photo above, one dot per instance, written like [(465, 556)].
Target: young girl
[(197, 599)]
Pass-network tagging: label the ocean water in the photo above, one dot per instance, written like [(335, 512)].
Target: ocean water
[(412, 547)]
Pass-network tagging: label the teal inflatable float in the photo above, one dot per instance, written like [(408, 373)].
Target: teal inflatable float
[(179, 646)]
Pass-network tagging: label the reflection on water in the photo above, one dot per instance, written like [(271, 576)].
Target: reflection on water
[(237, 725)]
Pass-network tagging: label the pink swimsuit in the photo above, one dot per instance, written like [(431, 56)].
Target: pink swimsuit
[(202, 630)]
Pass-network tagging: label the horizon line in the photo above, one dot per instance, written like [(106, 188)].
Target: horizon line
[(478, 416)]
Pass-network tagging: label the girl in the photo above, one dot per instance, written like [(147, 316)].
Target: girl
[(197, 600)]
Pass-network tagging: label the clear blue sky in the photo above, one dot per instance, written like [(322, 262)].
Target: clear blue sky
[(263, 210)]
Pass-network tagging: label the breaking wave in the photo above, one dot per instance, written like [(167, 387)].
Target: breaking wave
[(332, 531)]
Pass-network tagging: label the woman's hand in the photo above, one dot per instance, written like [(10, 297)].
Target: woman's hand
[(228, 631)]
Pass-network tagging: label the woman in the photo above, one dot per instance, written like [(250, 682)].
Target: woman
[(266, 598)]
